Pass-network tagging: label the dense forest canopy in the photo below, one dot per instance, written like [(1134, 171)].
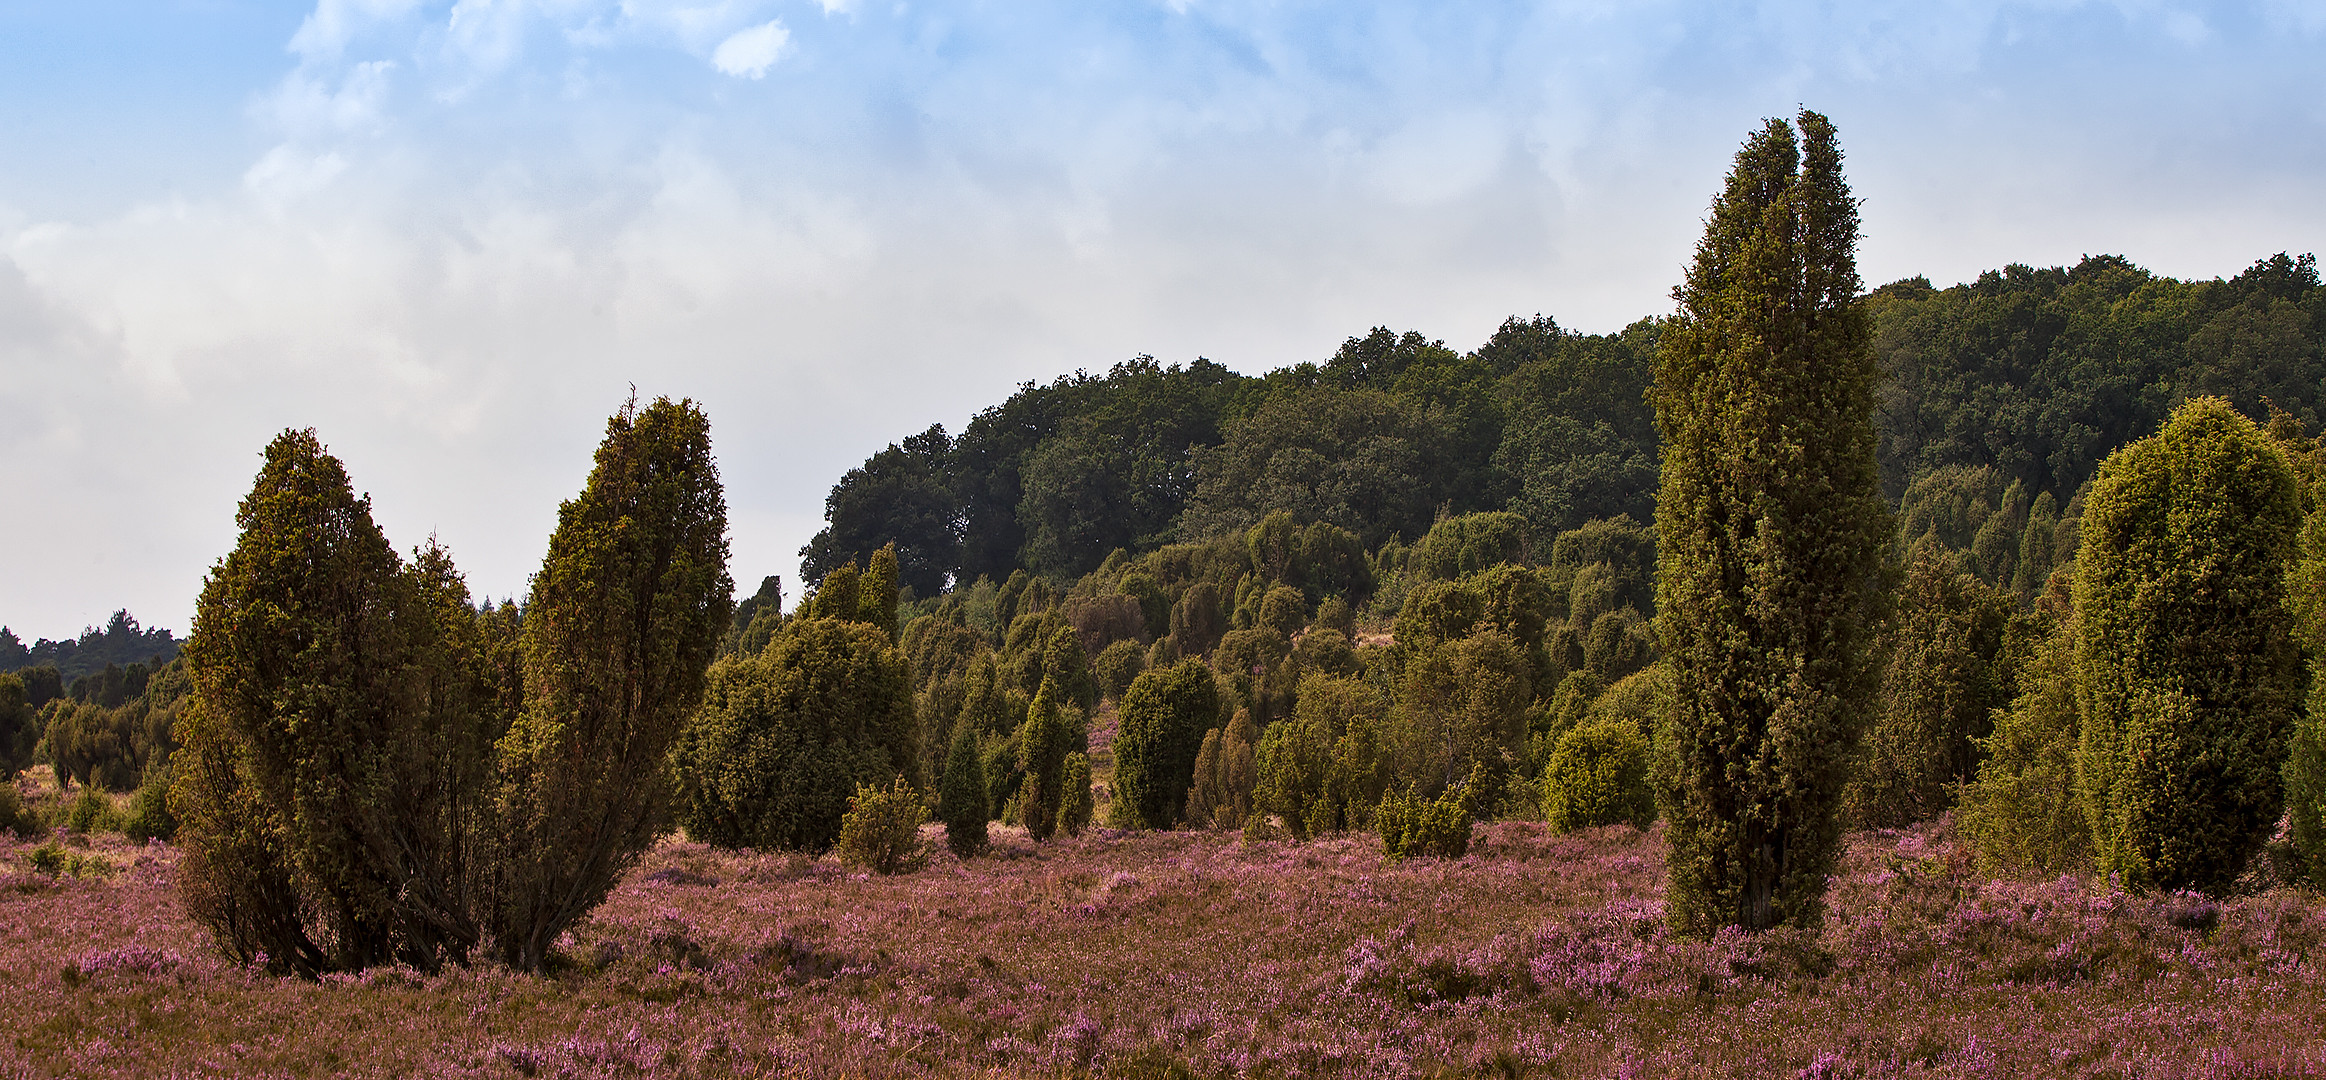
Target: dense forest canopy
[(121, 642), (2020, 381)]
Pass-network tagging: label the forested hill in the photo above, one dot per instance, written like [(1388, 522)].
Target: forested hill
[(122, 642), (2000, 392)]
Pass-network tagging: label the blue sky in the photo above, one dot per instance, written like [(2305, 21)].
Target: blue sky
[(450, 236)]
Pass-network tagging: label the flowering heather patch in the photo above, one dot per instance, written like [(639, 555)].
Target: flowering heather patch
[(1203, 955)]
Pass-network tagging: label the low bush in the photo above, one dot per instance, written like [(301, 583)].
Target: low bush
[(93, 812), (1117, 665), (1437, 828), (149, 813), (1598, 775), (882, 829), (14, 817), (1075, 807)]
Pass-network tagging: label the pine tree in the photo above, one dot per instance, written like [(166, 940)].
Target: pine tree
[(295, 656), (1074, 806), (2187, 677), (625, 615), (961, 799), (1042, 753), (876, 592), (1771, 533), (1162, 720)]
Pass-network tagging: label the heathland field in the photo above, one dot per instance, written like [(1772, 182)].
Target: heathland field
[(1202, 954)]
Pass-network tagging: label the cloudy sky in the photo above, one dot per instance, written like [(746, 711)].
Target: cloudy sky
[(450, 236)]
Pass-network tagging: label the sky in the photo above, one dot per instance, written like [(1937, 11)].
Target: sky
[(451, 237)]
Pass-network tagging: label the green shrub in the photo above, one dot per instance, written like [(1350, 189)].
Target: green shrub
[(781, 738), (1075, 807), (1325, 766), (962, 798), (882, 829), (2188, 679), (1042, 750), (1412, 827), (14, 817), (2021, 813), (149, 813), (1225, 773), (49, 858), (1598, 775), (1163, 717), (1946, 678), (1468, 544), (1116, 666), (92, 812)]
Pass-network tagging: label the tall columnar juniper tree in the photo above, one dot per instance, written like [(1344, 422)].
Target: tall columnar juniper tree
[(626, 614), (2187, 675), (375, 772), (1770, 536)]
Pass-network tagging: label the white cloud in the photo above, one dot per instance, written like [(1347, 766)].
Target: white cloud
[(747, 54), (305, 103), (334, 23), (1437, 158), (287, 173)]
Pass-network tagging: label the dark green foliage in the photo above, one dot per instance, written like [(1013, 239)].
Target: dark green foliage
[(1066, 670), (1326, 766), (1005, 776), (1598, 775), (838, 596), (149, 813), (1226, 773), (1770, 536), (1116, 666), (2041, 372), (1162, 720), (783, 739), (1439, 828), (900, 497), (881, 830), (1101, 621), (1283, 610), (1618, 643), (1121, 463), (1042, 750), (14, 817), (1371, 462), (1625, 551), (1578, 435), (2187, 678), (1319, 559), (2021, 813), (1947, 676), (756, 619), (92, 812), (1254, 671), (1468, 544), (1326, 651), (625, 615), (1566, 710), (1074, 806), (876, 592), (2305, 768), (307, 638), (1197, 620), (1154, 603), (961, 801), (1463, 712), (121, 643)]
